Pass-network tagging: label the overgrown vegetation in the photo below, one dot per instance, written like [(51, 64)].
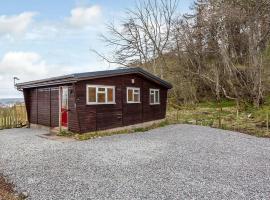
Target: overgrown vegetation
[(220, 49), (65, 133), (218, 54), (13, 117), (7, 192), (246, 119)]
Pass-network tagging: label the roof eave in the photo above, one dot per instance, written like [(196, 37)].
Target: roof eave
[(163, 83), (73, 78), (43, 84)]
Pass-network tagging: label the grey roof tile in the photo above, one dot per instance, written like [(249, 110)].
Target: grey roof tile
[(92, 75)]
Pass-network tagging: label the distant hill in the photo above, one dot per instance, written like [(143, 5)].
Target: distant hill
[(10, 101)]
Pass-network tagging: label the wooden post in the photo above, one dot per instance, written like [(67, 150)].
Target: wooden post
[(267, 122), (5, 124), (16, 117), (219, 113)]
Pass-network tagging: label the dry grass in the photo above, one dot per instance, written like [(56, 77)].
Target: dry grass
[(248, 120), (13, 117), (7, 192)]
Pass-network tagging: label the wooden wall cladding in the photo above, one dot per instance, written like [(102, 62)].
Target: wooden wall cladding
[(105, 116), (54, 107), (43, 105)]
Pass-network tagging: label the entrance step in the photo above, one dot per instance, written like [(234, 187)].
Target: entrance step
[(55, 130)]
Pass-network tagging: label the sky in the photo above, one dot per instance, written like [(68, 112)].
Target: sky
[(41, 39)]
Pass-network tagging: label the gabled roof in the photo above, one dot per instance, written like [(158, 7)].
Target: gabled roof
[(73, 78)]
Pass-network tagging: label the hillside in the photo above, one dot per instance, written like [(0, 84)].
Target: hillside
[(10, 101)]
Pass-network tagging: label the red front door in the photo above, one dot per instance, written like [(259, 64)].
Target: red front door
[(64, 107)]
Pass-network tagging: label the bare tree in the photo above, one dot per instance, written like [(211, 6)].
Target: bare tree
[(223, 44), (143, 38), (217, 50)]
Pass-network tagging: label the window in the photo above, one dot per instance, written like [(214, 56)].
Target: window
[(99, 94), (133, 95), (154, 96)]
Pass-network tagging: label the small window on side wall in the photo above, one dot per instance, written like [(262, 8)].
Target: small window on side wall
[(133, 95), (100, 94), (154, 96)]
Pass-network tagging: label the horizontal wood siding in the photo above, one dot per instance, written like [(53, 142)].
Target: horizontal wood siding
[(72, 113), (100, 117), (44, 107), (44, 114), (153, 112), (32, 118), (132, 112), (55, 107), (27, 99)]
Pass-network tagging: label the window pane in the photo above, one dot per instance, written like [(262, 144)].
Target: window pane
[(137, 91), (101, 97), (136, 98), (65, 98), (110, 94), (152, 98), (101, 89), (130, 95), (156, 96), (92, 94)]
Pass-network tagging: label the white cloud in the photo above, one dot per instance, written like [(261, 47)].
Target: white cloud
[(85, 16), (15, 24), (28, 66), (22, 62), (81, 19), (25, 65)]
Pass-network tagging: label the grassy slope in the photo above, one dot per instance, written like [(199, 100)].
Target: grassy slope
[(249, 120)]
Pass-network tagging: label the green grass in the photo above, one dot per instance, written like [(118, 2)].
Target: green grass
[(13, 117), (224, 103), (250, 120), (65, 133)]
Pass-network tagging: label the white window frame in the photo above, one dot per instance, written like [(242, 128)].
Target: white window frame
[(134, 88), (154, 91), (106, 94)]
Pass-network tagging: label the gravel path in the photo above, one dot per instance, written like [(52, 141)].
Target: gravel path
[(174, 162)]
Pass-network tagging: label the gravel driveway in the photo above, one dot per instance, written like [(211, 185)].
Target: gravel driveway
[(174, 162)]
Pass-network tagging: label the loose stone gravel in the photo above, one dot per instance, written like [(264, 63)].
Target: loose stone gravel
[(174, 162)]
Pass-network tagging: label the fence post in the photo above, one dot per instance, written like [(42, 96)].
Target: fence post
[(5, 120), (12, 116), (16, 116), (267, 122), (177, 117)]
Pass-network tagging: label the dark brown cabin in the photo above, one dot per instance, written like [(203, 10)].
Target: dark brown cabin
[(85, 102)]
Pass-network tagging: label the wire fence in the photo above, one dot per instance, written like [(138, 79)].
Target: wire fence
[(227, 118), (13, 116)]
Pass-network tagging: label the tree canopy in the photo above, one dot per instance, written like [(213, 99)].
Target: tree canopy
[(218, 50)]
